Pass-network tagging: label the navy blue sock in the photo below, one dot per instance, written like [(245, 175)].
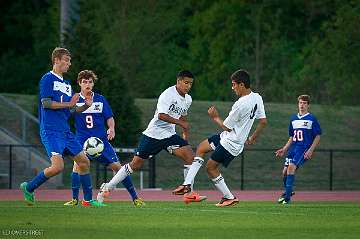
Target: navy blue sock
[(284, 180), (75, 185), (127, 182), (86, 185), (289, 186), (36, 182)]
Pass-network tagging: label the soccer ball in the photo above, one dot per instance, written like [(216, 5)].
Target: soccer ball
[(93, 147)]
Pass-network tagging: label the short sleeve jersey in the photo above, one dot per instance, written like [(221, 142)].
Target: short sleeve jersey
[(303, 129), (240, 120), (91, 122), (57, 89), (173, 104)]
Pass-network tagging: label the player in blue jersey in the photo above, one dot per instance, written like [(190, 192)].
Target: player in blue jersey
[(91, 122), (56, 100), (304, 132)]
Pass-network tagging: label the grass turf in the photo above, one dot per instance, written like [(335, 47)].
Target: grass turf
[(177, 220)]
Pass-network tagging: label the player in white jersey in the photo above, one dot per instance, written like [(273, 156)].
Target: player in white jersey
[(172, 108), (230, 143)]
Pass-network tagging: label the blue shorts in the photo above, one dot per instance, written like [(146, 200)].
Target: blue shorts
[(220, 154), (296, 156), (107, 157), (60, 143), (149, 146)]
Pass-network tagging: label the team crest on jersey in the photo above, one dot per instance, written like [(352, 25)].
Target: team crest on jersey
[(174, 108), (62, 87), (301, 124), (96, 107)]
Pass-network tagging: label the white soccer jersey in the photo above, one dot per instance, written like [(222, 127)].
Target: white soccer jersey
[(240, 120), (170, 102)]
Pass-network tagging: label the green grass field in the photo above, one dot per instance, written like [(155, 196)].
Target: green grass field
[(176, 220)]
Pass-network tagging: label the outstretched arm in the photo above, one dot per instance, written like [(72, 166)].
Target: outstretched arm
[(47, 103), (181, 122), (283, 150), (111, 128), (185, 133), (88, 103), (214, 115), (261, 125), (308, 154)]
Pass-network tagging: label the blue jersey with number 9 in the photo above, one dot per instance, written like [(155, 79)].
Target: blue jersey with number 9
[(303, 129), (91, 122)]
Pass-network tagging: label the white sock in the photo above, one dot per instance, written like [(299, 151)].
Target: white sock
[(186, 170), (120, 176), (220, 184), (194, 169)]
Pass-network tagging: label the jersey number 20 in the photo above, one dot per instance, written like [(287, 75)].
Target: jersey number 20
[(298, 135), (89, 121)]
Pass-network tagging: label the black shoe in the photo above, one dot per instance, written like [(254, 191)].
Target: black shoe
[(282, 197), (182, 189)]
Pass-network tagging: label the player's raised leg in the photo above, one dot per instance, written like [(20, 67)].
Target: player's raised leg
[(125, 170), (195, 166), (187, 155), (128, 184), (228, 199)]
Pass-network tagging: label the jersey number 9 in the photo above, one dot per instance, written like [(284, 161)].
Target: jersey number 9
[(89, 121)]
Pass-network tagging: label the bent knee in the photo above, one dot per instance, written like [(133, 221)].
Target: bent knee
[(55, 169), (83, 164), (136, 163)]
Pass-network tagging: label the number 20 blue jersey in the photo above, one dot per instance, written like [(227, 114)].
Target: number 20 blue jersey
[(91, 122), (303, 129)]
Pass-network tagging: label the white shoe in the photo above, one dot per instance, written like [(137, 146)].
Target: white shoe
[(103, 193)]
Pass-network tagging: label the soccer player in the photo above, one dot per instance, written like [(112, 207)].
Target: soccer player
[(56, 100), (91, 122), (304, 132), (172, 107), (230, 143)]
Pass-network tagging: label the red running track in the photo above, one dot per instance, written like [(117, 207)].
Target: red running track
[(165, 195)]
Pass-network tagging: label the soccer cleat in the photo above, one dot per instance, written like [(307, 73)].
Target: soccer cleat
[(93, 203), (182, 189), (103, 193), (285, 201), (28, 196), (282, 197), (224, 202), (72, 202), (139, 202), (193, 197)]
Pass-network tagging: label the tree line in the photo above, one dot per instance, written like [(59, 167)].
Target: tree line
[(137, 47)]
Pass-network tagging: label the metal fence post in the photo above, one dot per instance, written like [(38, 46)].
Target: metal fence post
[(10, 166), (242, 172), (105, 173), (331, 171), (97, 174), (23, 127), (152, 172)]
